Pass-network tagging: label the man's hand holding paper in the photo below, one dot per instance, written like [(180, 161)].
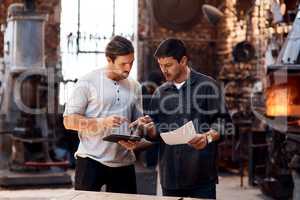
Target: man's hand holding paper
[(181, 135)]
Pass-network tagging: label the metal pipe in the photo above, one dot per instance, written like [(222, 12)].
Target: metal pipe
[(78, 27), (114, 18)]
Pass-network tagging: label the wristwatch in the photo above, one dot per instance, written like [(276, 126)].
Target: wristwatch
[(209, 138)]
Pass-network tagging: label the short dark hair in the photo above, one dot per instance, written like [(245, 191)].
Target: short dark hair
[(171, 48), (118, 46)]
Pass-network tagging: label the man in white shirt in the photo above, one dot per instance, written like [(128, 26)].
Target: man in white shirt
[(105, 101)]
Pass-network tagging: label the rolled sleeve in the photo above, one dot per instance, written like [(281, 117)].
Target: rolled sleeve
[(78, 100)]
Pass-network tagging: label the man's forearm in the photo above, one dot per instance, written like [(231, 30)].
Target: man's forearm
[(84, 124)]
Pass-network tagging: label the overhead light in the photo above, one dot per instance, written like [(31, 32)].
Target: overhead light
[(212, 14)]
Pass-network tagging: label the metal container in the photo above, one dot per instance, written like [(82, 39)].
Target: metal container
[(24, 42)]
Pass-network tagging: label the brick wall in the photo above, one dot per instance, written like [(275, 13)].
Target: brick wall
[(211, 47), (200, 40)]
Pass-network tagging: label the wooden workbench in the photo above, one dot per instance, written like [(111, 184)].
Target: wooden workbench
[(83, 195)]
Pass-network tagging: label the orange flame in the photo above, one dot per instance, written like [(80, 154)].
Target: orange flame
[(284, 99)]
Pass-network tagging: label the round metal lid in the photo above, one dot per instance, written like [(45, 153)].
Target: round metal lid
[(177, 14)]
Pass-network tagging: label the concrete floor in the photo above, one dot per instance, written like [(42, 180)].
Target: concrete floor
[(228, 189)]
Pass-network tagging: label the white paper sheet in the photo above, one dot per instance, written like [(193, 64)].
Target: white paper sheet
[(181, 135)]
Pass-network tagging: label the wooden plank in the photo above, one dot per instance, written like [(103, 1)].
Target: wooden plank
[(84, 195)]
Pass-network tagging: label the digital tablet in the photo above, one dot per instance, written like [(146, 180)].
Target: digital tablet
[(116, 138)]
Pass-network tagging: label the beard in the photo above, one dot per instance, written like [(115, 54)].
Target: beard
[(168, 77), (172, 77), (119, 74), (124, 74)]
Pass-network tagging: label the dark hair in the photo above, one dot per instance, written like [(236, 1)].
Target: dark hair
[(171, 48), (118, 46)]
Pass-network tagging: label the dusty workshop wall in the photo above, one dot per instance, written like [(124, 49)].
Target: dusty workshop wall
[(242, 22), (211, 46), (200, 40), (211, 49), (244, 82), (52, 28)]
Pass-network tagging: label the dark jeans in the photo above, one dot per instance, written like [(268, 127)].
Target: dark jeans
[(91, 175), (207, 191)]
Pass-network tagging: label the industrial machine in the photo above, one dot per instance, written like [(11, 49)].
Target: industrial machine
[(283, 117), (29, 104)]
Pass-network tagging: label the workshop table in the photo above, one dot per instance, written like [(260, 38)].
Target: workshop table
[(84, 195)]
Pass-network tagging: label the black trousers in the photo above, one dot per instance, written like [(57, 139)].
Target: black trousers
[(91, 175), (206, 191)]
